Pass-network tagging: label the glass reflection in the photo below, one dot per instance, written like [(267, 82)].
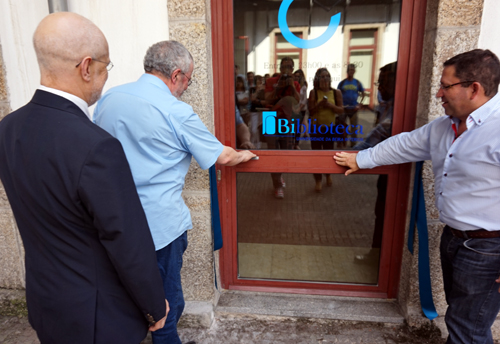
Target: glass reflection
[(311, 236), (273, 75)]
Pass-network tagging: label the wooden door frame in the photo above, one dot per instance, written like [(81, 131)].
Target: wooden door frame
[(407, 83)]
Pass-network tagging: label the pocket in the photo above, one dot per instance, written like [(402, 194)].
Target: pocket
[(484, 246)]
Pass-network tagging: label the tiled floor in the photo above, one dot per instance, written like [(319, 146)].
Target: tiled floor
[(341, 215), (306, 263)]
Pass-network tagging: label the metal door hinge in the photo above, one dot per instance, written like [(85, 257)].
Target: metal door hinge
[(219, 175)]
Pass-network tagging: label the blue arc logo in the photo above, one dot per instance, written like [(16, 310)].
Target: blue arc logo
[(305, 43)]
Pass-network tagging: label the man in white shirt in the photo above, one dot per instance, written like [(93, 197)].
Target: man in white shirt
[(464, 147)]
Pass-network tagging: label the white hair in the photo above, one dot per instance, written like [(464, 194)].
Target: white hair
[(167, 56)]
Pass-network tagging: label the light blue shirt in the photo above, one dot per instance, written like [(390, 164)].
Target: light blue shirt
[(159, 134), (466, 171)]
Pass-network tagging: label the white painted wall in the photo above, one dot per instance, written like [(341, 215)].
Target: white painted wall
[(261, 57), (18, 21), (328, 55), (130, 28), (490, 27), (391, 43)]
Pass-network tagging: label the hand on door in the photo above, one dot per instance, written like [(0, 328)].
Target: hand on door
[(348, 160), (230, 157)]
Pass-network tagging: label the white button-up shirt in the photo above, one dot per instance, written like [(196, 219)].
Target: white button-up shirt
[(466, 170), (82, 104)]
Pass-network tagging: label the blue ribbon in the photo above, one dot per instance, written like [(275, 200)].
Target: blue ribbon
[(214, 207), (419, 216)]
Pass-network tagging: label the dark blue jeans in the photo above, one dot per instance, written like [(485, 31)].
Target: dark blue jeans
[(470, 268), (169, 261)]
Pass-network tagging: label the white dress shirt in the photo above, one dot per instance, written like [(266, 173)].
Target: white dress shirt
[(82, 104), (466, 170)]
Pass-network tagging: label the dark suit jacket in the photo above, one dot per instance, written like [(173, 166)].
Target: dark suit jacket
[(91, 272)]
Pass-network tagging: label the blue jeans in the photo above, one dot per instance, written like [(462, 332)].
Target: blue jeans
[(470, 268), (169, 261)]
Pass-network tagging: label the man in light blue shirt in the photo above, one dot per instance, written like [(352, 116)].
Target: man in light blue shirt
[(160, 134), (351, 89), (464, 148)]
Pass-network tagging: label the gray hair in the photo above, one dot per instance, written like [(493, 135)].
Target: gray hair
[(167, 56)]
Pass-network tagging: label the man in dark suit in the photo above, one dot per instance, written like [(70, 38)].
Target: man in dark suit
[(91, 273)]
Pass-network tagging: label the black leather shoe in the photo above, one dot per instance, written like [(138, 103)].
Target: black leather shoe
[(191, 342)]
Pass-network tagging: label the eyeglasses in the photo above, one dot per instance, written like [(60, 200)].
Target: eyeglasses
[(189, 79), (458, 83), (109, 65)]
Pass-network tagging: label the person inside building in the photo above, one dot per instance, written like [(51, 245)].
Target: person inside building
[(91, 274), (258, 95), (303, 107), (243, 135), (325, 106), (251, 79), (352, 90), (242, 95), (283, 93), (160, 134), (386, 86), (266, 77), (463, 147)]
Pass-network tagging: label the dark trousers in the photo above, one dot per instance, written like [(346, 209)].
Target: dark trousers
[(321, 145), (169, 261), (470, 268), (279, 142), (352, 115), (379, 211)]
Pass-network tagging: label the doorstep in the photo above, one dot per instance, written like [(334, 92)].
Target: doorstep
[(309, 306)]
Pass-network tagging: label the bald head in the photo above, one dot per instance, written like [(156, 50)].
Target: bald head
[(72, 54), (62, 39)]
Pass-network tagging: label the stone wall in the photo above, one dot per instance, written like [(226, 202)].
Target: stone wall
[(11, 248), (189, 23), (452, 27)]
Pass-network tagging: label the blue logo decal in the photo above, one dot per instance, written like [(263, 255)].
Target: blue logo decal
[(269, 127), (293, 127), (305, 43)]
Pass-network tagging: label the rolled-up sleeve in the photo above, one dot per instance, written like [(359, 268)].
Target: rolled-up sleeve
[(200, 142)]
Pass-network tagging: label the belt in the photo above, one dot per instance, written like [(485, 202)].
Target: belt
[(478, 233)]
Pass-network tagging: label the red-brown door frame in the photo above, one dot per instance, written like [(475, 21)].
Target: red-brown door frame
[(408, 74)]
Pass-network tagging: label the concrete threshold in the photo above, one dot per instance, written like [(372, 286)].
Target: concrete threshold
[(309, 306)]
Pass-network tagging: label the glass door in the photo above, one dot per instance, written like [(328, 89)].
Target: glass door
[(292, 222)]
